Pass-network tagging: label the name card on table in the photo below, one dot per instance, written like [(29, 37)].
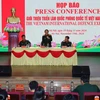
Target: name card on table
[(65, 87), (19, 87), (23, 46)]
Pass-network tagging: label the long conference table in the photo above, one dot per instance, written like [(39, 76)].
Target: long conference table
[(44, 56)]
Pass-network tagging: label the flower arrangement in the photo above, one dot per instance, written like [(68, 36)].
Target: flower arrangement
[(74, 44), (13, 28), (3, 42), (87, 43), (53, 44), (91, 43)]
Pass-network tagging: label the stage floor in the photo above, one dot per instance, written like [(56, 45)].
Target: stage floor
[(92, 61)]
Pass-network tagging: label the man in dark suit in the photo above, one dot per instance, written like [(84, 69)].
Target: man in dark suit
[(66, 42), (85, 87), (46, 39)]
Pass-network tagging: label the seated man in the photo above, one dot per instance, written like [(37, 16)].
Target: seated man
[(24, 42), (85, 87), (66, 42), (33, 85), (3, 94), (46, 39)]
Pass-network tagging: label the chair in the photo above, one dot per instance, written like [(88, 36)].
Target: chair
[(60, 95), (15, 95), (29, 95), (91, 95)]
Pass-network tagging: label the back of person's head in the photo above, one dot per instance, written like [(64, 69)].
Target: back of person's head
[(69, 97), (33, 85), (39, 94), (2, 97), (85, 78)]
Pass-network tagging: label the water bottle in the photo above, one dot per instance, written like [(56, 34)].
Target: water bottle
[(28, 89), (72, 86), (7, 86), (47, 45), (27, 45), (51, 88), (51, 85)]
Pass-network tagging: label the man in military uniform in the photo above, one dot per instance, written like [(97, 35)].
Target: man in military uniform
[(46, 39), (85, 87), (66, 42), (24, 42)]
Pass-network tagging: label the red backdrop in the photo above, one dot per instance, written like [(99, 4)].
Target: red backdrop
[(6, 12)]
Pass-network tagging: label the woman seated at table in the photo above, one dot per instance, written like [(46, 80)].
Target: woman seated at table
[(46, 39), (24, 42), (66, 42)]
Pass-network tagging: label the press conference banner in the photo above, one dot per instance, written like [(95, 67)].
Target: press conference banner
[(78, 19)]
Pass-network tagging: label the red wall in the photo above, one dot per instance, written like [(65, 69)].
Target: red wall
[(6, 12)]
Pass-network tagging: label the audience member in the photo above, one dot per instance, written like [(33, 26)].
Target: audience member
[(39, 94), (3, 94), (85, 87), (69, 97), (33, 85)]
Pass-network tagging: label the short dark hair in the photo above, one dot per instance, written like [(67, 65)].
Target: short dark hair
[(46, 30), (39, 94), (69, 97), (23, 36), (67, 37), (33, 85), (85, 78)]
